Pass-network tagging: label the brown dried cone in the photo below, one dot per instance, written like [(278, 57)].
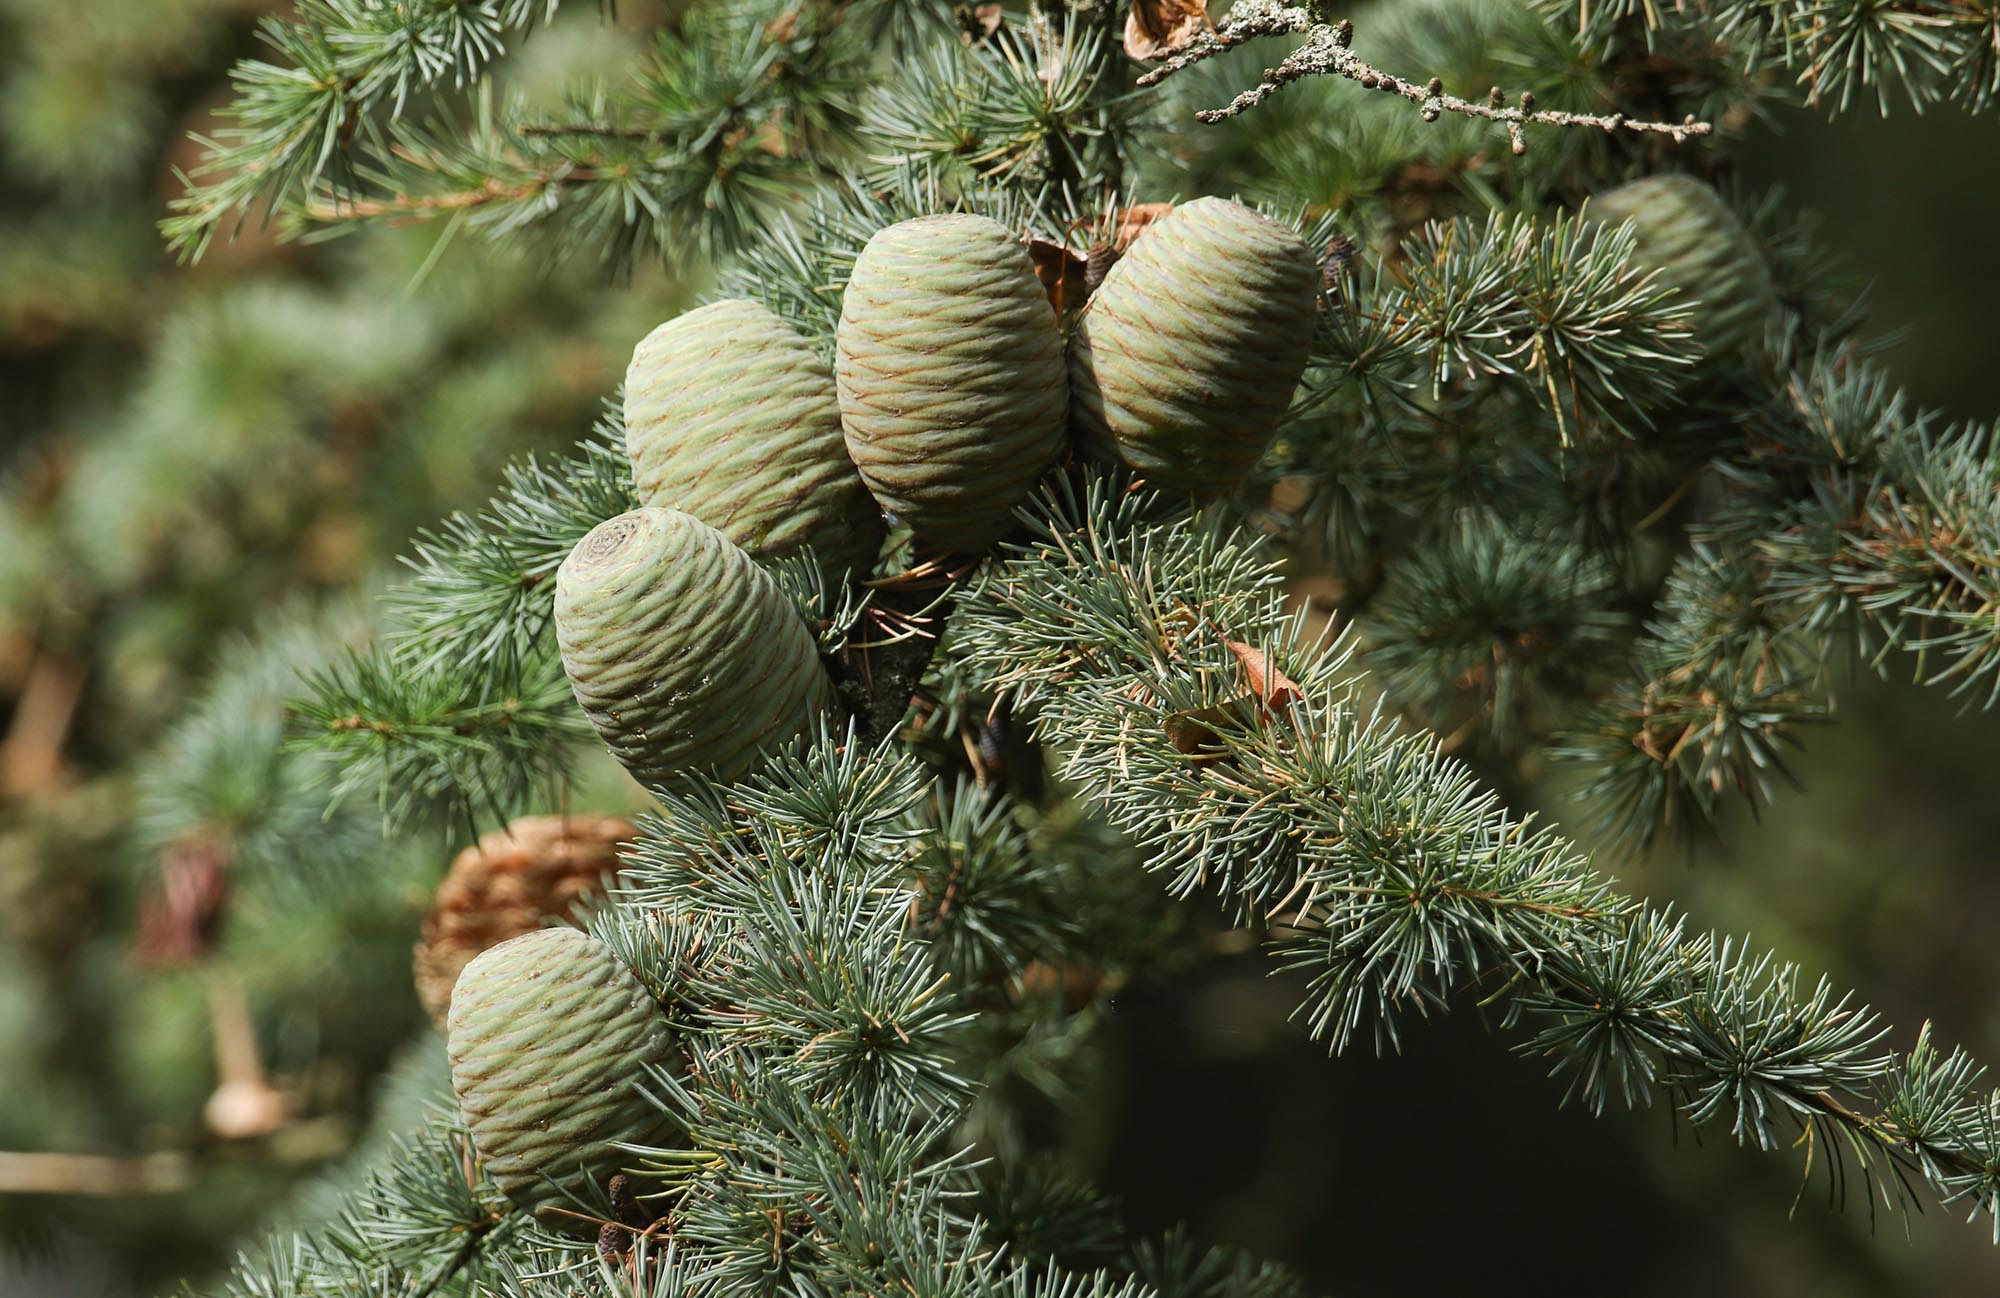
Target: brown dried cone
[(1185, 358), (512, 881), (551, 1037), (730, 417), (950, 371), (685, 655)]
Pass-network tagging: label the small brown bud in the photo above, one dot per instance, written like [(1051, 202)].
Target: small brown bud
[(624, 1201), (1337, 265)]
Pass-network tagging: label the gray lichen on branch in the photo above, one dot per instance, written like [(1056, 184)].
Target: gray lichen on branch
[(1327, 51)]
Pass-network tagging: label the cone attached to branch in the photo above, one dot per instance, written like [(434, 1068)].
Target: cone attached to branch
[(512, 881), (1683, 231), (684, 653), (950, 373), (1185, 358), (550, 1037), (730, 417)]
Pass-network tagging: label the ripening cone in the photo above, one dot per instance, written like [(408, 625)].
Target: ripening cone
[(1185, 358), (950, 370), (731, 418), (1686, 233), (683, 652), (549, 1034)]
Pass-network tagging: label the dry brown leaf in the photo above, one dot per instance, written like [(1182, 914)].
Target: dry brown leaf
[(1272, 687), (1131, 222), (1061, 272), (1068, 276), (1157, 28), (1198, 731)]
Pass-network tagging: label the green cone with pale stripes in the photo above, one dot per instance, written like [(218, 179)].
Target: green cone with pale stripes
[(549, 1035), (730, 417), (683, 652), (950, 372), (1185, 358), (1684, 231)]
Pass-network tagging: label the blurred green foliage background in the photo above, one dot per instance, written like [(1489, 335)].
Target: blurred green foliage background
[(186, 450)]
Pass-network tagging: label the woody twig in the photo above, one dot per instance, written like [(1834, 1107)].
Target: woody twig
[(1327, 52)]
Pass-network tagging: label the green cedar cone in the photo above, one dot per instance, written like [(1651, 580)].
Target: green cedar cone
[(683, 652), (549, 1034), (1686, 233), (1185, 358), (950, 370), (731, 418)]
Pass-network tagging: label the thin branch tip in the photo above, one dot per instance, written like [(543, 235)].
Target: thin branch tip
[(1327, 52)]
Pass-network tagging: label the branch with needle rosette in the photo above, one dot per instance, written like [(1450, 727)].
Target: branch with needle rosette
[(1186, 38)]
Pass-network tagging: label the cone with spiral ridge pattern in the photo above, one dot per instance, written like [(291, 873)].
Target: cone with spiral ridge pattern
[(682, 651), (1684, 231), (730, 417), (951, 380), (1185, 358), (549, 1036)]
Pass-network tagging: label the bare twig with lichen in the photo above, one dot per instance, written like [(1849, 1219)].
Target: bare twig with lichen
[(1327, 52)]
